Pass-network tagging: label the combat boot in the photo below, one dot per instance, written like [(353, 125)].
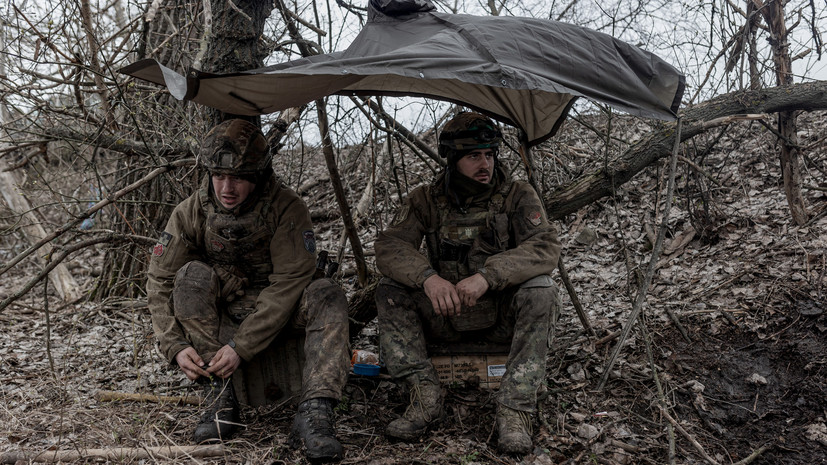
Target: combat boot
[(514, 428), (313, 427), (220, 419), (424, 409)]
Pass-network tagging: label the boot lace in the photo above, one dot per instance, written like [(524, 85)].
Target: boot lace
[(516, 420), (317, 415), (418, 408)]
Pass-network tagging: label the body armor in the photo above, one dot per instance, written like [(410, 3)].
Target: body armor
[(462, 242)]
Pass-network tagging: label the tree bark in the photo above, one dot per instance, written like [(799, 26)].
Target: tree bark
[(594, 185), (235, 41), (788, 155)]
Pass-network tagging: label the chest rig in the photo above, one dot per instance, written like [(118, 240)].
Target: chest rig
[(240, 243), (464, 238), (461, 242)]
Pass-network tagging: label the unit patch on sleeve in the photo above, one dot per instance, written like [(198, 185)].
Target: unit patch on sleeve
[(163, 241), (535, 218), (309, 241)]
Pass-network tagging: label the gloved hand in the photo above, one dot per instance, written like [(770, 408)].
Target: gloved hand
[(232, 286)]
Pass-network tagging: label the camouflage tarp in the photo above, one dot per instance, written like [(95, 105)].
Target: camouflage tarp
[(522, 71)]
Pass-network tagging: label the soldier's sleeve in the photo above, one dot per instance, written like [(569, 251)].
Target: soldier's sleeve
[(176, 246), (537, 247), (293, 253), (397, 248)]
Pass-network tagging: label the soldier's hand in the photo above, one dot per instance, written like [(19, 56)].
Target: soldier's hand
[(471, 288), (443, 295), (224, 362), (190, 363), (232, 286)]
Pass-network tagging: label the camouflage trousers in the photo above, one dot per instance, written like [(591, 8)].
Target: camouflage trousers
[(526, 317), (322, 315)]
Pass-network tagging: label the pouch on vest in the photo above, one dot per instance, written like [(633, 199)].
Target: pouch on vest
[(244, 306), (480, 316)]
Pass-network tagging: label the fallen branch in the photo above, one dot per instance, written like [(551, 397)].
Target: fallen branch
[(688, 436), (91, 211), (56, 260), (115, 396), (115, 454)]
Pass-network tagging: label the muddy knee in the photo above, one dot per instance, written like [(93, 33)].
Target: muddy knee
[(195, 291)]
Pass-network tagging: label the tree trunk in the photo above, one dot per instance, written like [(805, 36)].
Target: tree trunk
[(229, 35), (773, 13), (568, 198), (235, 42)]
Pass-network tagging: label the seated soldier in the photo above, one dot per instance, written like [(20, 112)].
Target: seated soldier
[(491, 251), (232, 271)]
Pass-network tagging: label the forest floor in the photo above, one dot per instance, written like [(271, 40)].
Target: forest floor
[(728, 365)]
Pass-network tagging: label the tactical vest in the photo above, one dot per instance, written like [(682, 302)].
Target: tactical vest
[(462, 241), (240, 244)]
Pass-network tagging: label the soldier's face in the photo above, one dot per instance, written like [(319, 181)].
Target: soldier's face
[(231, 191), (478, 165)]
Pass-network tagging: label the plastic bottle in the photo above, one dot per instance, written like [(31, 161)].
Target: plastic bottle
[(364, 357)]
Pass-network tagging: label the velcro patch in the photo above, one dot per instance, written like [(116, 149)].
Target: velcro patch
[(309, 241), (401, 216), (535, 218), (163, 241)]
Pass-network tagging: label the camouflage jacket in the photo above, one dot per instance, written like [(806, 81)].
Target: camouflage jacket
[(289, 243), (525, 244)]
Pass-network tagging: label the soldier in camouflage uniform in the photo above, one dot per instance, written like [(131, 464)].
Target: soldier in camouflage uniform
[(232, 271), (486, 277)]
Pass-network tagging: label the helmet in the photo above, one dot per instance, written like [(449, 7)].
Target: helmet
[(465, 132), (236, 147)]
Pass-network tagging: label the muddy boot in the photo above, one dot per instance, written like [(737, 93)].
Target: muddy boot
[(220, 419), (424, 409), (313, 427), (514, 428)]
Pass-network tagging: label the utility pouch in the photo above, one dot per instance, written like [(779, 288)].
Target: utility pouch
[(453, 251), (243, 307), (480, 316)]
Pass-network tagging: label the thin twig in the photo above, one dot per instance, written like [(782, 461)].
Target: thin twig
[(91, 211), (688, 436), (653, 260)]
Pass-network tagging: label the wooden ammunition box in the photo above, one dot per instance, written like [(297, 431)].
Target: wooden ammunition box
[(470, 363)]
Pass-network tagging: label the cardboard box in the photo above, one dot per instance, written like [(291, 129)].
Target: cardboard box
[(484, 369)]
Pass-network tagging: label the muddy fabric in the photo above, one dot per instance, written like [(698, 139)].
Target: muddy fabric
[(506, 238), (526, 318), (277, 291), (209, 324)]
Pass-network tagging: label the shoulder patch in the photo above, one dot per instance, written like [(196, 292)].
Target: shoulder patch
[(163, 241), (535, 218), (309, 241), (402, 215)]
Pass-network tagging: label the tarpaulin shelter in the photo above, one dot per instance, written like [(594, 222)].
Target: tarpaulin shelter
[(525, 72)]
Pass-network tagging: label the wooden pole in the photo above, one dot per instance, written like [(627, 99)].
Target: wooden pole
[(117, 454), (336, 181)]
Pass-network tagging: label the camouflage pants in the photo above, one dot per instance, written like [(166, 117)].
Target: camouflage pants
[(322, 314), (526, 317)]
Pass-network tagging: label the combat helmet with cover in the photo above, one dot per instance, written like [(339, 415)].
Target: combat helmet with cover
[(236, 147), (465, 132)]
